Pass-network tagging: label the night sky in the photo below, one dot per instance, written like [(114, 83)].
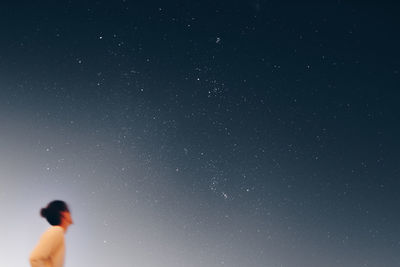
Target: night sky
[(202, 133)]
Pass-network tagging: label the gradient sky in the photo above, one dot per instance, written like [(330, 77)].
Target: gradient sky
[(202, 133)]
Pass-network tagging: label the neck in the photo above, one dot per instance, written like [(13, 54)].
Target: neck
[(64, 226)]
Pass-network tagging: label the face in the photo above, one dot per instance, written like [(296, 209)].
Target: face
[(66, 219)]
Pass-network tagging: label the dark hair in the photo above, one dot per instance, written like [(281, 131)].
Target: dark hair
[(52, 212)]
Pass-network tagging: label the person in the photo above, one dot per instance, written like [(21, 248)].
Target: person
[(50, 250)]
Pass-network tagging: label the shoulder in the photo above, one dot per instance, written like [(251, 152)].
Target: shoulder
[(56, 228), (54, 232)]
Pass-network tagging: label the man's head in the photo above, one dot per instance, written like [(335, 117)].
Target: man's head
[(57, 213)]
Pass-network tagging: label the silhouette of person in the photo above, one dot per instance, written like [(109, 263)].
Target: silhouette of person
[(50, 250)]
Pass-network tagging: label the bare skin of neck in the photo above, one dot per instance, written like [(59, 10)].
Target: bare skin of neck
[(66, 220)]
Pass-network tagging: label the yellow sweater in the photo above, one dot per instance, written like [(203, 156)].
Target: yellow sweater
[(50, 251)]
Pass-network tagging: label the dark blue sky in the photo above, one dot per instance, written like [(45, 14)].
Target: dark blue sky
[(201, 133)]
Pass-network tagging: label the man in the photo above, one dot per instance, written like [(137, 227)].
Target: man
[(50, 250)]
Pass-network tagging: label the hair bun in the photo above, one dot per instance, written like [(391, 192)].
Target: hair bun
[(43, 212)]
